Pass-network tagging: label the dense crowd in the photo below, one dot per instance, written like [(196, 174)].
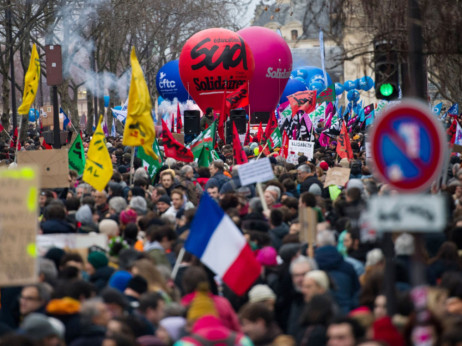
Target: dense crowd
[(125, 294)]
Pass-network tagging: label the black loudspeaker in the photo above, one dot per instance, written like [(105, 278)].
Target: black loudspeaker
[(229, 132), (259, 117), (192, 122), (238, 116)]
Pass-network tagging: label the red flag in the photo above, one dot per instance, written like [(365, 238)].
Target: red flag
[(47, 146), (285, 144), (239, 98), (343, 144), (239, 153), (260, 133), (179, 123), (172, 148), (15, 139), (172, 123), (247, 135), (303, 101), (272, 124), (451, 132), (223, 117)]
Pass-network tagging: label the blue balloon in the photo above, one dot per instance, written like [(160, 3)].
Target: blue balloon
[(118, 108), (353, 96), (168, 82), (369, 83), (301, 79), (338, 88), (106, 100), (350, 85), (314, 77), (34, 114), (293, 85)]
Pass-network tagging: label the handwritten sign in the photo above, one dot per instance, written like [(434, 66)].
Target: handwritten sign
[(337, 176), (299, 148), (18, 226), (410, 212), (257, 171), (70, 241), (52, 165)]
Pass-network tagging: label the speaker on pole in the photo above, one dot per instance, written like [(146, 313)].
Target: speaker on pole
[(259, 117), (192, 122), (238, 116)]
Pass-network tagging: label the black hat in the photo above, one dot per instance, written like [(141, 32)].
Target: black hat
[(138, 284), (165, 199)]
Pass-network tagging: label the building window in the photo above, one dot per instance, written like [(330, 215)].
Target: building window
[(294, 34)]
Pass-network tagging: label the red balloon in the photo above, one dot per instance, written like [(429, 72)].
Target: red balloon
[(214, 60)]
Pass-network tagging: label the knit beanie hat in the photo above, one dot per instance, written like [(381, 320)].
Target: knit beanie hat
[(128, 216), (119, 280), (165, 199), (324, 165), (109, 227), (84, 215), (174, 326), (97, 259), (260, 293), (138, 284), (202, 304), (139, 205), (267, 256)]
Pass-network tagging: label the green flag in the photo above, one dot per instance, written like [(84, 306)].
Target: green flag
[(77, 155), (327, 95), (205, 140), (150, 165), (275, 140)]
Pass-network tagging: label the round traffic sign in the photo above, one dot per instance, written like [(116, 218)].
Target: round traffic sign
[(408, 147)]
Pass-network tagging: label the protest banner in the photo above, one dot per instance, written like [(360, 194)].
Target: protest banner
[(299, 148)]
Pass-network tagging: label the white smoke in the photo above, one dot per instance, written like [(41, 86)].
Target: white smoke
[(166, 108)]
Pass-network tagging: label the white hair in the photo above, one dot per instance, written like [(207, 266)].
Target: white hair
[(320, 277), (325, 237), (305, 260)]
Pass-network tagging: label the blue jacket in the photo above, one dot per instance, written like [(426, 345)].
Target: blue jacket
[(219, 179), (343, 275)]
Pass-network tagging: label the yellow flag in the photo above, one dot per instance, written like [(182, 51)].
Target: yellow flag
[(98, 167), (31, 82), (139, 126)]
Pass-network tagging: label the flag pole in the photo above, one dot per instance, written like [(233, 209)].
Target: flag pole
[(259, 188), (178, 263), (132, 161), (17, 141), (262, 150)]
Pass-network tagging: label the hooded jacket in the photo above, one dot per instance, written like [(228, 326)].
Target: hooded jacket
[(342, 273)]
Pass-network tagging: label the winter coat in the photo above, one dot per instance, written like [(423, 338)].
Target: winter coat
[(219, 179), (343, 275), (56, 226), (101, 277)]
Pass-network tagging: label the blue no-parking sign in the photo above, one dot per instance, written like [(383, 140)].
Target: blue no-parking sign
[(408, 147)]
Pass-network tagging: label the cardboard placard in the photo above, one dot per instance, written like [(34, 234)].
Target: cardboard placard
[(46, 117), (179, 137), (308, 222), (257, 171), (457, 148), (18, 226), (53, 166), (298, 148), (337, 176)]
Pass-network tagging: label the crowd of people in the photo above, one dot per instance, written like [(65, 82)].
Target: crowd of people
[(125, 293)]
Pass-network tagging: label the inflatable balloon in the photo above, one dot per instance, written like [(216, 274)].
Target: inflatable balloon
[(273, 65), (106, 99), (314, 77), (168, 82), (34, 114), (365, 83), (353, 96), (214, 61), (338, 88), (293, 85), (350, 85)]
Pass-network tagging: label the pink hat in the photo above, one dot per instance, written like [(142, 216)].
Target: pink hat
[(267, 256), (128, 216)]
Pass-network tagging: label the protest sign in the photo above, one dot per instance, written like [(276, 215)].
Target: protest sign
[(257, 171), (337, 176), (18, 226), (299, 148), (52, 165)]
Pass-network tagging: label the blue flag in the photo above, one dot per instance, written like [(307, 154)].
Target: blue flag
[(66, 118), (437, 109), (454, 110)]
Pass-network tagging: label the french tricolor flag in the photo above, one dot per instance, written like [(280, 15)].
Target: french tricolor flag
[(219, 244)]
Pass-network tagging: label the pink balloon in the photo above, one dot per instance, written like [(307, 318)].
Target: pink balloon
[(273, 65)]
